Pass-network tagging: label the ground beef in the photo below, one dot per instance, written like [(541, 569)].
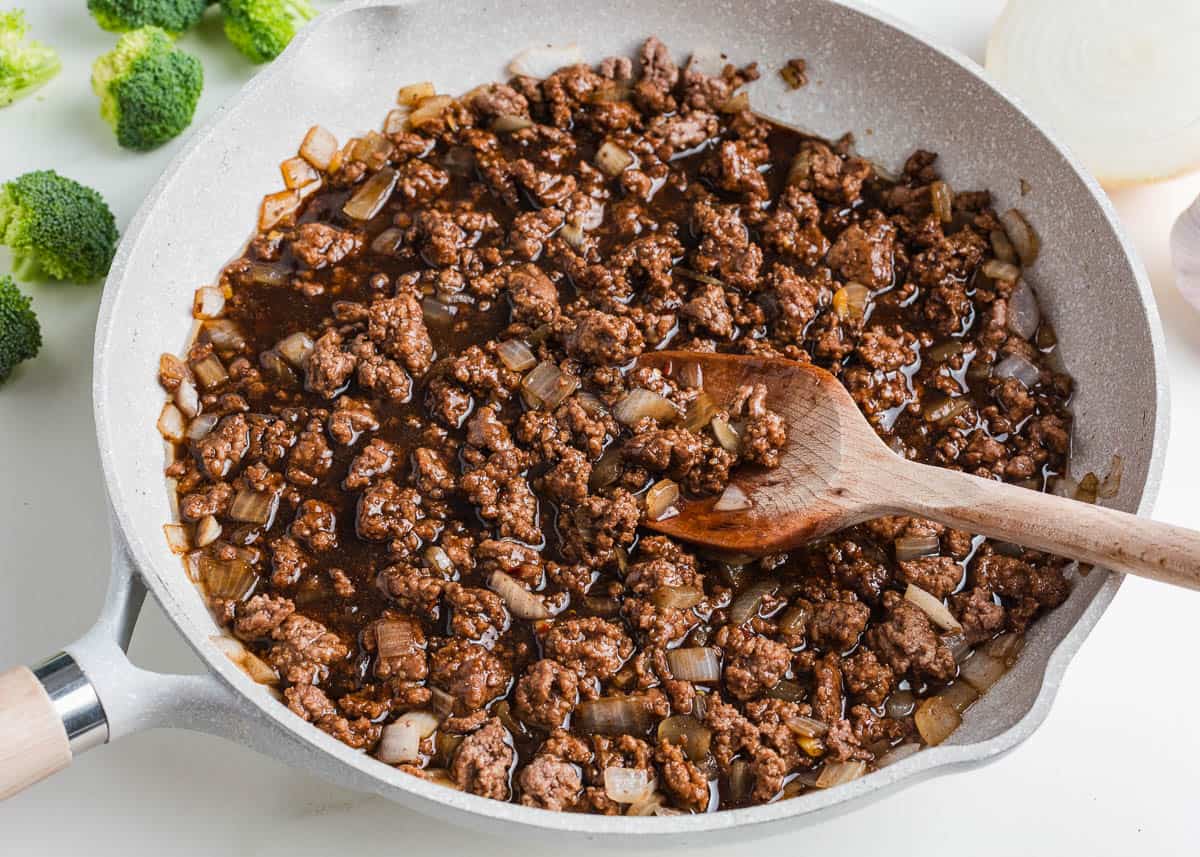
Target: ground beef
[(469, 672), (593, 648), (546, 694), (753, 663), (908, 643), (405, 461), (483, 761)]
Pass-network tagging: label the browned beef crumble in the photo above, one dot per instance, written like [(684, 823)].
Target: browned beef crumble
[(372, 488)]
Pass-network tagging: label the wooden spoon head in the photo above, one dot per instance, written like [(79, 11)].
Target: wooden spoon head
[(816, 490)]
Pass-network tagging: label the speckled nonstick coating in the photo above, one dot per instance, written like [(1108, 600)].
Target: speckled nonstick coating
[(869, 76)]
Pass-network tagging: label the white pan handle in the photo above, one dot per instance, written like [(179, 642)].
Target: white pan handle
[(91, 694)]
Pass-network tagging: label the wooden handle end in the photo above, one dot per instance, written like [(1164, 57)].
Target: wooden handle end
[(33, 741)]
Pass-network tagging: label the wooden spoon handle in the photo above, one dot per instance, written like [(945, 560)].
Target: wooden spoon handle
[(33, 742), (1081, 531)]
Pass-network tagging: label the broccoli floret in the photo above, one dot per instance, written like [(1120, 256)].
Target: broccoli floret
[(174, 16), (25, 64), (148, 88), (20, 333), (56, 227), (261, 29)]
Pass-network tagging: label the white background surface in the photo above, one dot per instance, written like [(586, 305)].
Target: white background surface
[(1110, 772)]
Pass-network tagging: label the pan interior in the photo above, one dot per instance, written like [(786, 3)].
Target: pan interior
[(890, 90)]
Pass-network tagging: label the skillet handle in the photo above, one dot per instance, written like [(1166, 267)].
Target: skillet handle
[(33, 739), (91, 694)]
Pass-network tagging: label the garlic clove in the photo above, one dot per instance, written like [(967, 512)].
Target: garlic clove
[(1185, 253)]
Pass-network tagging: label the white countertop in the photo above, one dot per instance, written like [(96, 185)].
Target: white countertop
[(1110, 772)]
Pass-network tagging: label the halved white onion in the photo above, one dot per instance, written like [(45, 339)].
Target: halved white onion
[(1116, 84)]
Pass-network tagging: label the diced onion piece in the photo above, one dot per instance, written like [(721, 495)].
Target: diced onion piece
[(442, 702), (1024, 315), (942, 200), (516, 355), (640, 402), (1111, 486), (549, 385), (187, 399), (787, 690), (508, 123), (209, 302), (208, 530), (806, 727), (733, 499), (700, 413), (396, 121), (912, 547), (698, 276), (612, 160), (661, 500), (279, 368), (171, 423), (592, 404), (437, 312), (695, 663), (981, 670), (897, 754), (400, 741), (748, 603), (278, 209), (177, 538), (1089, 488), (613, 715), (224, 334), (253, 507), (209, 371), (388, 241), (295, 348), (1002, 247), (372, 149), (937, 612), (318, 147), (415, 93), (369, 199), (266, 275), (957, 643), (1016, 366), (900, 704), (628, 785), (726, 434), (936, 719), (740, 780), (430, 110), (230, 579), (677, 597), (837, 773), (437, 559), (1024, 240), (943, 408), (606, 470), (1005, 648), (573, 234), (689, 733), (794, 620), (960, 695), (850, 301), (520, 601), (247, 661), (997, 270), (395, 637), (297, 173), (543, 61)]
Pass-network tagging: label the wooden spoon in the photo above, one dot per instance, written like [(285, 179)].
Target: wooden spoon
[(836, 472)]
